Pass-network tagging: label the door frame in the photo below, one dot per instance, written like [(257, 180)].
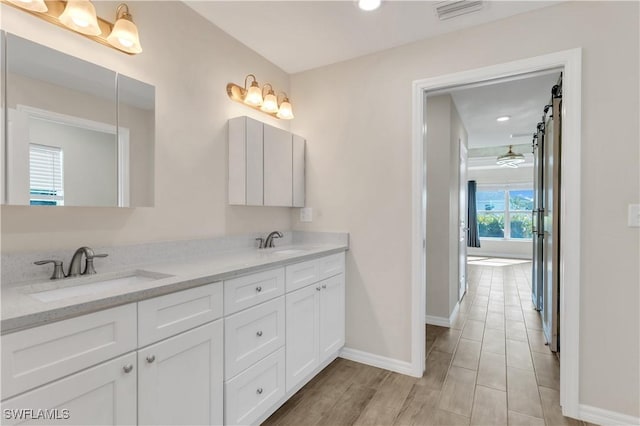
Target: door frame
[(571, 62)]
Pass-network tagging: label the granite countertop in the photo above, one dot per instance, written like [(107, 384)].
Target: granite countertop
[(20, 310)]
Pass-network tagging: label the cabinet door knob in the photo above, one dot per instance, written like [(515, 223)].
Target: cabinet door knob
[(151, 358), (128, 368), (258, 289), (318, 288), (259, 333), (324, 286), (259, 391)]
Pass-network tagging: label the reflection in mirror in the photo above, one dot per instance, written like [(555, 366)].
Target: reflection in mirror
[(64, 143)]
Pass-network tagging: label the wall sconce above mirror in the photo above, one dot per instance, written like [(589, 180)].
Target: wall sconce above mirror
[(78, 134), (254, 97), (80, 17)]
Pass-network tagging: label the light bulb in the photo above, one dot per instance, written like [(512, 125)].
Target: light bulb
[(80, 16)]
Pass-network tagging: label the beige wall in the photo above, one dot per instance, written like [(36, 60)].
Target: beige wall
[(442, 151), (190, 62), (356, 116)]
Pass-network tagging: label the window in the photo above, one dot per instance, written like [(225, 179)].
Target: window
[(45, 175), (504, 212)]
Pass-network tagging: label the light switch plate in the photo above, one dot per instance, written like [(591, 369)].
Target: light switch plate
[(306, 214), (634, 215)]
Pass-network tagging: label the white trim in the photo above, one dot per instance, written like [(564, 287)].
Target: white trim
[(443, 321), (122, 134), (480, 253), (391, 364), (605, 417), (571, 62)]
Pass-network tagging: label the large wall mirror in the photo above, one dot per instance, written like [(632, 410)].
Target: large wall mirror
[(76, 134)]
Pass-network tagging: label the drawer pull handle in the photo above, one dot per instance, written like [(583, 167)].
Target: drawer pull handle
[(258, 289), (128, 368), (318, 288), (259, 391), (324, 286), (151, 358), (259, 333)]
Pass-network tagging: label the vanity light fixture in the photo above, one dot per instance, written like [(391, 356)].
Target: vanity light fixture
[(80, 16), (32, 5), (252, 96), (124, 35)]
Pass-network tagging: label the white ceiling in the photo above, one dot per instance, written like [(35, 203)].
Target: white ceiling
[(523, 99), (301, 35)]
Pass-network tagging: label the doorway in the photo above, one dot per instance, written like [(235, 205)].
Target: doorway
[(570, 63)]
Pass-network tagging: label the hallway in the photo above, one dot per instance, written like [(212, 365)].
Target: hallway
[(490, 368)]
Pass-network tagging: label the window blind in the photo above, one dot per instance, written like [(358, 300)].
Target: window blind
[(46, 172)]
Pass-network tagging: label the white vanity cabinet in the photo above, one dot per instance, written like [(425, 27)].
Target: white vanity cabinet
[(158, 361), (101, 395), (315, 320), (266, 165)]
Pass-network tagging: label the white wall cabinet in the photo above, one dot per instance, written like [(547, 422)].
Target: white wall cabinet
[(266, 165), (180, 379), (101, 395)]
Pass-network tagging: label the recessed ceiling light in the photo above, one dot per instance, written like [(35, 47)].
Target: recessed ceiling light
[(369, 4), (503, 118)]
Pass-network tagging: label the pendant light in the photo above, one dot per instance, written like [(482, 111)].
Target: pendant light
[(31, 5), (510, 159), (80, 16), (124, 35)]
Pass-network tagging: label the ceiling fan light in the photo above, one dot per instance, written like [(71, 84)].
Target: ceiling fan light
[(510, 159)]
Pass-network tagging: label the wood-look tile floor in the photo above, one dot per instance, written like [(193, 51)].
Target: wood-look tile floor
[(490, 368)]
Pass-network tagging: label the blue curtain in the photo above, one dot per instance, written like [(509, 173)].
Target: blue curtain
[(472, 216)]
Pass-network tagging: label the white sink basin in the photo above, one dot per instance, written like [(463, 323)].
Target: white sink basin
[(287, 252), (83, 286)]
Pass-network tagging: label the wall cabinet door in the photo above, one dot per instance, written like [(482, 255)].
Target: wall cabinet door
[(303, 328), (278, 168), (332, 316), (180, 380), (101, 395), (245, 161), (298, 171)]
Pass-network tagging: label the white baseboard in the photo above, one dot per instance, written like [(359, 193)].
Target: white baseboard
[(402, 367), (605, 417), (443, 321)]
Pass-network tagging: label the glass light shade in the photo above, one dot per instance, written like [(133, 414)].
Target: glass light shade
[(32, 5), (254, 95), (124, 36), (369, 4), (80, 16), (285, 112), (270, 103)]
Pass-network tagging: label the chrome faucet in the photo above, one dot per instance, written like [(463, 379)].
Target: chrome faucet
[(75, 265), (268, 242)]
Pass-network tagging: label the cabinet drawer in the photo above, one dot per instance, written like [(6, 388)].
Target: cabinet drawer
[(244, 292), (302, 274), (252, 334), (251, 393), (168, 315), (104, 394), (331, 265), (40, 355)]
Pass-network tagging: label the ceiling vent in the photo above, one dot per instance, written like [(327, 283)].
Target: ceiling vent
[(451, 9)]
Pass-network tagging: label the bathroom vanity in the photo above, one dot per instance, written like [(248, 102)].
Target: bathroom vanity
[(218, 340)]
